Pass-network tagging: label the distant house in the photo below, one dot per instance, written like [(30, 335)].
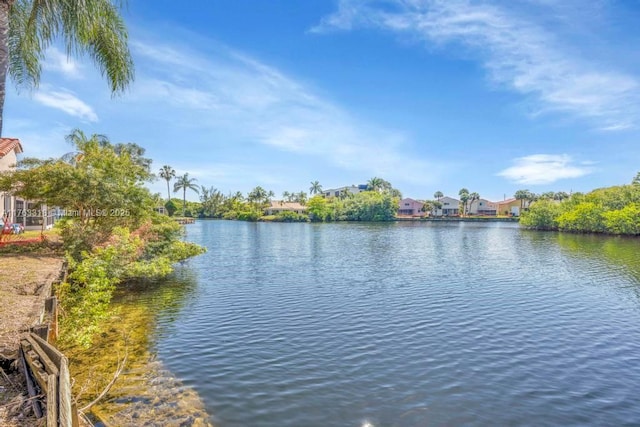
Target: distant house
[(13, 209), (511, 206), (450, 207), (342, 191), (278, 206), (9, 150), (410, 207), (483, 207)]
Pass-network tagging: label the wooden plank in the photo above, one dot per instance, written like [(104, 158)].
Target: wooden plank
[(52, 337), (41, 330), (31, 387), (52, 401), (52, 352), (64, 399), (36, 368), (49, 365), (75, 422), (49, 304)]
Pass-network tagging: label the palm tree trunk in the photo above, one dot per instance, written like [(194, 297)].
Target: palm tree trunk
[(168, 192), (5, 5), (184, 199)]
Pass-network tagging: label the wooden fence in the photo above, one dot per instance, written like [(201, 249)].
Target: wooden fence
[(46, 367)]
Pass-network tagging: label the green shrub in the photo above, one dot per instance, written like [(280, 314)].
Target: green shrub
[(288, 216), (170, 207), (623, 221), (542, 215)]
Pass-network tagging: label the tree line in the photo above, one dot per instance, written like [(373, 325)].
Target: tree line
[(379, 202), (611, 210)]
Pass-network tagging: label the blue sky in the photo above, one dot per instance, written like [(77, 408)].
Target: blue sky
[(494, 96)]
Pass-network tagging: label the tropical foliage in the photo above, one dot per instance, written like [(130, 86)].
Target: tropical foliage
[(613, 210), (167, 173), (91, 27), (185, 183), (110, 230)]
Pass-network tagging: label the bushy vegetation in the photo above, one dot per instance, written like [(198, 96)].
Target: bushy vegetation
[(612, 210), (288, 216), (110, 232), (379, 203)]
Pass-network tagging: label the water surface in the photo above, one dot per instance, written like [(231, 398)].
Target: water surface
[(408, 324)]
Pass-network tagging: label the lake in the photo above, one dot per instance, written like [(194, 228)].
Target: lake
[(404, 324)]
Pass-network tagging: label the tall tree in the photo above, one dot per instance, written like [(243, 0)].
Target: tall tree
[(99, 190), (375, 184), (257, 197), (90, 27), (438, 195), (472, 198), (301, 198), (315, 188), (464, 197), (523, 196), (185, 183), (167, 173), (211, 199), (636, 180)]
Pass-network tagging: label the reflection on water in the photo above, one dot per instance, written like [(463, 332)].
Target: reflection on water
[(409, 324), (146, 394), (406, 324)]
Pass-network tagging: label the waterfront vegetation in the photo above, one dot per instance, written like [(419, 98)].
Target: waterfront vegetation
[(611, 210), (378, 203), (110, 233)]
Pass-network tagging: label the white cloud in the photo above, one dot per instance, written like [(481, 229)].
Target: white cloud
[(234, 94), (517, 52), (67, 102), (59, 62), (544, 169)]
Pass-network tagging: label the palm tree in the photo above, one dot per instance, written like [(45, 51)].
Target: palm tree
[(167, 173), (522, 195), (472, 198), (438, 195), (315, 188), (301, 198), (185, 183), (257, 196), (464, 196), (285, 195), (90, 27), (375, 184)]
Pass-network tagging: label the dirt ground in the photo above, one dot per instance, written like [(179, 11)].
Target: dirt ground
[(23, 279)]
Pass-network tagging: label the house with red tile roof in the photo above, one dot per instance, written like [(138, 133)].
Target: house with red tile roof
[(13, 209), (9, 150)]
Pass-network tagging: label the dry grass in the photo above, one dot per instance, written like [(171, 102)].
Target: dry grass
[(22, 280)]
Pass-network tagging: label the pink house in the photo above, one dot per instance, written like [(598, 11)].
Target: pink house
[(410, 207)]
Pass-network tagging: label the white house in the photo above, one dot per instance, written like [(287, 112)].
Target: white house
[(338, 192), (450, 207)]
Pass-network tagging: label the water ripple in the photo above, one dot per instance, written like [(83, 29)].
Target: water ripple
[(409, 325)]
